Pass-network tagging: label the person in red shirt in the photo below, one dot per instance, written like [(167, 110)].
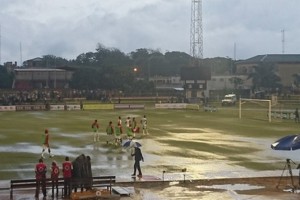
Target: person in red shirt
[(67, 174), (40, 176), (54, 177), (46, 144)]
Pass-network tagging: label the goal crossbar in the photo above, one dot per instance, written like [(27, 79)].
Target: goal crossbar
[(255, 100)]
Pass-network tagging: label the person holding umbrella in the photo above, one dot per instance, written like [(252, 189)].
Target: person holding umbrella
[(138, 156)]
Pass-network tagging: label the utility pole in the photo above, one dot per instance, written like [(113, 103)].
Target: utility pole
[(282, 40), (196, 32), (21, 61)]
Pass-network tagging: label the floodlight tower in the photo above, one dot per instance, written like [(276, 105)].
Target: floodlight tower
[(196, 37)]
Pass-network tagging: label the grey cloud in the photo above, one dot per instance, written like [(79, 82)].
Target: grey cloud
[(71, 27)]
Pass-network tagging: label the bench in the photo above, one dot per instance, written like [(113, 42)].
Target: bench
[(30, 184), (104, 181)]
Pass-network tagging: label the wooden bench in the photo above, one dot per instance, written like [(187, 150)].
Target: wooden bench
[(104, 181), (96, 182), (30, 184)]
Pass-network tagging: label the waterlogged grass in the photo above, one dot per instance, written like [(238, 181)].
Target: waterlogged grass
[(73, 128), (224, 150), (255, 165), (258, 166)]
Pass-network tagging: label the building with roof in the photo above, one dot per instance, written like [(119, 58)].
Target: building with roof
[(286, 65), (34, 78)]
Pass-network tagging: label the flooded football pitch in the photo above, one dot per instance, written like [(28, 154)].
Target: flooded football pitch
[(204, 152)]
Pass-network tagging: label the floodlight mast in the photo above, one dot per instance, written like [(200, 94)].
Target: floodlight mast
[(196, 36)]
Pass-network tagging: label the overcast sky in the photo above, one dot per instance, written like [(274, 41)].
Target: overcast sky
[(67, 28)]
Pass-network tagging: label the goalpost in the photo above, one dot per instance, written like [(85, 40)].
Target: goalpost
[(257, 102)]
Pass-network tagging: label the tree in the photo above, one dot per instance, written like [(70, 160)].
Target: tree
[(85, 78), (53, 61), (296, 78), (6, 78), (175, 61), (140, 60), (264, 77), (236, 81), (87, 59)]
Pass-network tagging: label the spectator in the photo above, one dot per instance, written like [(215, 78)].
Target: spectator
[(40, 176), (67, 174), (54, 177)]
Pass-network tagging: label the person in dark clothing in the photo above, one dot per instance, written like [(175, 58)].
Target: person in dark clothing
[(138, 156), (296, 115), (89, 173)]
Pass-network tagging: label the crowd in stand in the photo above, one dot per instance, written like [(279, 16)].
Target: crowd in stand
[(12, 97)]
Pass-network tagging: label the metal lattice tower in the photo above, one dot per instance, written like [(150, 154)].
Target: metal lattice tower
[(196, 36)]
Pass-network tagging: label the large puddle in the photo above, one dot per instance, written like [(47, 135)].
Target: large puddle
[(108, 159)]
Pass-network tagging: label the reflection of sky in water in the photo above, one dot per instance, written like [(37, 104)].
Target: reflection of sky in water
[(107, 160), (232, 187), (113, 160)]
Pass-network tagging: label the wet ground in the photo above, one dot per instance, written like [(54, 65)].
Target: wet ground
[(166, 162), (114, 160), (206, 189)]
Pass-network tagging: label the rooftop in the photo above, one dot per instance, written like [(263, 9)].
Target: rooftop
[(275, 58)]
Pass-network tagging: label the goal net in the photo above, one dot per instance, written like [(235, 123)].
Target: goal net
[(256, 109)]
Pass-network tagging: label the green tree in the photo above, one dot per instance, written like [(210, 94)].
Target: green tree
[(264, 76), (87, 59), (51, 61), (236, 81), (296, 78), (140, 60), (6, 78), (85, 78)]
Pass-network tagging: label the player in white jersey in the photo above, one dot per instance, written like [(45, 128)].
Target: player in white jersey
[(144, 125)]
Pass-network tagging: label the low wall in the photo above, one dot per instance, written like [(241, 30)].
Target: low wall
[(177, 106)]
